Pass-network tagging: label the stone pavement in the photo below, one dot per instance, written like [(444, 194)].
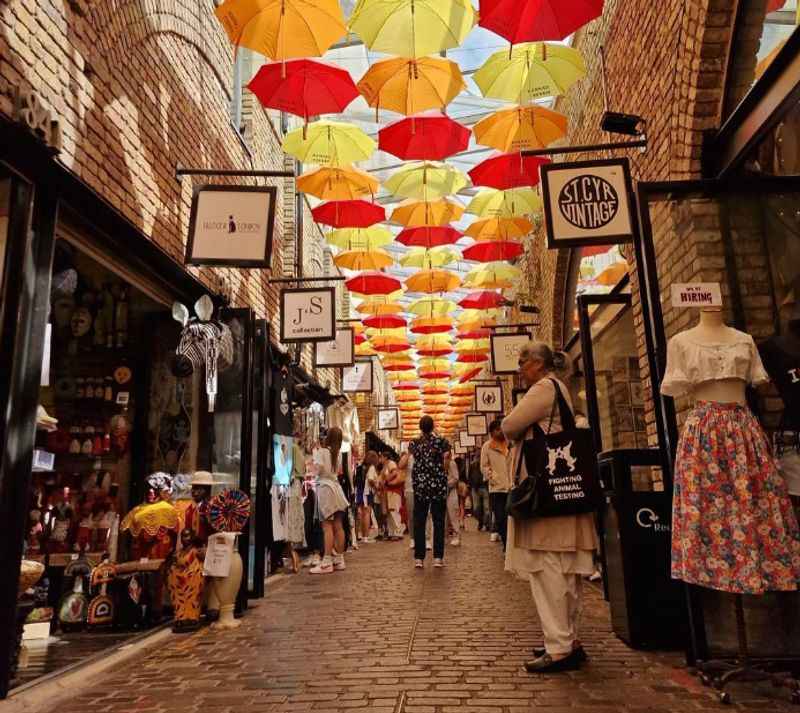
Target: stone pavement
[(385, 638)]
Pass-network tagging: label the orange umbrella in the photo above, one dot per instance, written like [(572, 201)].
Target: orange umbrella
[(612, 274), (520, 128), (333, 183), (431, 325), (430, 281), (499, 229), (440, 212)]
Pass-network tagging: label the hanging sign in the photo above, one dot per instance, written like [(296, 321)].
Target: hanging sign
[(337, 352), (308, 314), (697, 294), (232, 225), (459, 449), (489, 398), (476, 424), (466, 440), (587, 203), (505, 351), (388, 418), (358, 378)]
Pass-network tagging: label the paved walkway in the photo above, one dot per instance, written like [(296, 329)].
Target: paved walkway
[(385, 638)]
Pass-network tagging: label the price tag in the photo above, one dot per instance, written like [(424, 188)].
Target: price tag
[(697, 294)]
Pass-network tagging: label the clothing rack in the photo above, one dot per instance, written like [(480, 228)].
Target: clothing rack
[(718, 673)]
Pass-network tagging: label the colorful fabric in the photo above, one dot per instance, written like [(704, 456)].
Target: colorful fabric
[(733, 526), (430, 481)]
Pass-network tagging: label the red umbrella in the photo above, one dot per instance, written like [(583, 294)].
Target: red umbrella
[(373, 283), (472, 358), (428, 236), (435, 351), (470, 375), (304, 87), (537, 20), (485, 299), (492, 250), (426, 137), (434, 374), (359, 339), (508, 170), (405, 386), (475, 334), (385, 321), (592, 250), (349, 214), (423, 325)]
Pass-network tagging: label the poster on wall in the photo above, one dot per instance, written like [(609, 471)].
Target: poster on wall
[(459, 449), (587, 203), (337, 352), (308, 314), (505, 350), (476, 424), (489, 398), (232, 226), (358, 378), (465, 440), (388, 418)]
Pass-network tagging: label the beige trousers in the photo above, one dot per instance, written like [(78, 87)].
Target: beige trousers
[(394, 520), (557, 595)]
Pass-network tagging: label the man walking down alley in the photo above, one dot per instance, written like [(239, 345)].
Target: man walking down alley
[(496, 471)]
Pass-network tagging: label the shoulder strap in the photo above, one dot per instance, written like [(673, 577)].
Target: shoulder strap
[(564, 411)]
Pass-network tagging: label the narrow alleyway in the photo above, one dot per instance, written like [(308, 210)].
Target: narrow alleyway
[(388, 639)]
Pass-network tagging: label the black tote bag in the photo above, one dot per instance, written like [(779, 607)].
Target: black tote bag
[(562, 470)]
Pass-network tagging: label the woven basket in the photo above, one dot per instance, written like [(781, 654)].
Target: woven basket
[(29, 574)]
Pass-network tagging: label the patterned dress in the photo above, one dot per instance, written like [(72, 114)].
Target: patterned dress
[(430, 481)]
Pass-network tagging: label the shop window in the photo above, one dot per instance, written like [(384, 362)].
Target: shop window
[(778, 154), (763, 27)]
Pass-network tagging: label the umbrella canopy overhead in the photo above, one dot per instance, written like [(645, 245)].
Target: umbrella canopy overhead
[(511, 203), (385, 321), (499, 229), (373, 283), (410, 86), (429, 236), (426, 180), (432, 307), (349, 214), (494, 275), (372, 238), (430, 281), (412, 28), (429, 258), (283, 29), (363, 259), (333, 183), (330, 143), (511, 170), (520, 127), (303, 87), (431, 325), (439, 212), (428, 137), (537, 20), (482, 300), (379, 307), (491, 250)]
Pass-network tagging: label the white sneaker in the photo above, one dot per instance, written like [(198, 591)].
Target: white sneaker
[(324, 567), (338, 563), (411, 544), (429, 545), (456, 541), (419, 564), (494, 537), (312, 561), (595, 576), (437, 562)]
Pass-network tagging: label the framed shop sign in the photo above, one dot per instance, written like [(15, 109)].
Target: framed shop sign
[(358, 378), (459, 450), (231, 225), (588, 203), (505, 350), (308, 314), (337, 352), (489, 398), (465, 440), (388, 418), (476, 424)]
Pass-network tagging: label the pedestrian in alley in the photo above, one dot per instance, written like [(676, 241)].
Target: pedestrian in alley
[(365, 484), (481, 509), (495, 469), (394, 484), (454, 521), (551, 553), (331, 503), (430, 490)]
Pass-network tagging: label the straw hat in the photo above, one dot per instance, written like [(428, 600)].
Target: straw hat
[(202, 477)]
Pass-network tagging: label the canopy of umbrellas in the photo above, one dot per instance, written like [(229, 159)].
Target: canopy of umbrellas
[(433, 348)]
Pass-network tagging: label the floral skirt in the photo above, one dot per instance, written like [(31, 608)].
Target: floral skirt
[(733, 526)]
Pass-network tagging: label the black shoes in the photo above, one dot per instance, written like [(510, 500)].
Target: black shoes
[(580, 651), (546, 663)]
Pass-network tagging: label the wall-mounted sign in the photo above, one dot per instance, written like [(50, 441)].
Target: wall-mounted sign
[(308, 314), (476, 424), (459, 449), (587, 203), (232, 225), (337, 352), (505, 351), (388, 418), (358, 378), (466, 440), (489, 398), (697, 294)]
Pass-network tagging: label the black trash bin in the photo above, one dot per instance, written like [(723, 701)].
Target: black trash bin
[(648, 607)]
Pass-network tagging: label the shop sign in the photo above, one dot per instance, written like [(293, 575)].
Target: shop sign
[(476, 424), (308, 314), (505, 350), (588, 203), (337, 352), (465, 440), (232, 226), (489, 398), (388, 418), (459, 449), (697, 294), (358, 378)]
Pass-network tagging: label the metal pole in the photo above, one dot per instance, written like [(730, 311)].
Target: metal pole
[(179, 172), (520, 325), (587, 148), (287, 280)]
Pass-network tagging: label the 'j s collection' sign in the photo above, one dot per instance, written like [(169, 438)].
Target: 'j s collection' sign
[(231, 225), (587, 203), (308, 314)]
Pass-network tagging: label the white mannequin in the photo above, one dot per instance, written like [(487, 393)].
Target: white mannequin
[(713, 330)]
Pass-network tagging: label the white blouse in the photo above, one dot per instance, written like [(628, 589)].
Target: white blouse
[(690, 363)]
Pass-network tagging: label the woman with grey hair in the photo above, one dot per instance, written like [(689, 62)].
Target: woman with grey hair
[(551, 553)]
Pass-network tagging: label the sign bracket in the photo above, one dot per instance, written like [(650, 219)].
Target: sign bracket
[(180, 172), (640, 143), (295, 280)]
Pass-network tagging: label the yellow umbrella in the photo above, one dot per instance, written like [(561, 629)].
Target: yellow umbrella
[(283, 29), (412, 28), (414, 214), (357, 328), (379, 307), (412, 406), (364, 350), (337, 184), (399, 332), (431, 325), (429, 257), (331, 143), (432, 307), (360, 238), (363, 259), (387, 345), (431, 281), (612, 274), (410, 86), (530, 71), (492, 276), (511, 203), (471, 319), (429, 400), (463, 368), (407, 396), (425, 180), (434, 344), (400, 376), (398, 360), (461, 390), (520, 128), (472, 345), (499, 229)]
